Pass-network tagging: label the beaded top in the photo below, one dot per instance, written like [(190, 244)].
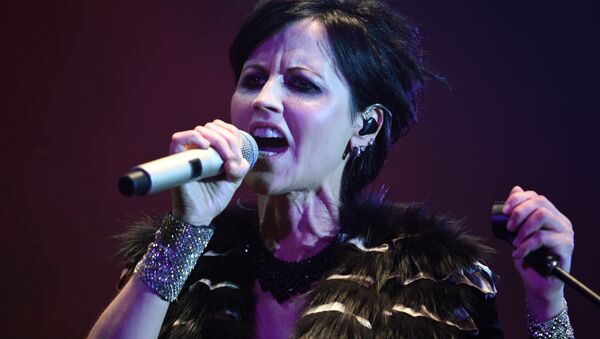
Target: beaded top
[(284, 279)]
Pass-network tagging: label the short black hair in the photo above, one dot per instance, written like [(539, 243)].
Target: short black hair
[(375, 49)]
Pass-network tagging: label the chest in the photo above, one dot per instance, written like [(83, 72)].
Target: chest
[(275, 320)]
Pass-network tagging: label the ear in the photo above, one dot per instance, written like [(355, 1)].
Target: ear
[(375, 112)]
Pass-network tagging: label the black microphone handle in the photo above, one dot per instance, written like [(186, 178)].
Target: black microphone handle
[(541, 260)]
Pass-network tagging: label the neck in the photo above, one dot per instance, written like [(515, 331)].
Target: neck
[(299, 224)]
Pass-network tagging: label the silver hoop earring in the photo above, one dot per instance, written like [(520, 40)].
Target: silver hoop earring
[(357, 151)]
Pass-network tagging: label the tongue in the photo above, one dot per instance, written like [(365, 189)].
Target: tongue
[(271, 144)]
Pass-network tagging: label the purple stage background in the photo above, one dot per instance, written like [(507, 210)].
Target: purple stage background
[(94, 87)]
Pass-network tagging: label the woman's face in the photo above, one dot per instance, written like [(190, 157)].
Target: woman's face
[(290, 98)]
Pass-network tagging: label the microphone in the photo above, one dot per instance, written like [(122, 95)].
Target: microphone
[(541, 260), (180, 168)]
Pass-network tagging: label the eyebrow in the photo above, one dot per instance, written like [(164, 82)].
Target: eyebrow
[(301, 68), (255, 66), (294, 69)]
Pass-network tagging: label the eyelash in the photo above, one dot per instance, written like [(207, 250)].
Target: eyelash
[(253, 81), (303, 85), (297, 83)]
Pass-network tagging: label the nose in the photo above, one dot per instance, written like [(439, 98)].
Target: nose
[(269, 98)]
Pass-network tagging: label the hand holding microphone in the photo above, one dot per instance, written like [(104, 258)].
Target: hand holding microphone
[(204, 152), (543, 241)]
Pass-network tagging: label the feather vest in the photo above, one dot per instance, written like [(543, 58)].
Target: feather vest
[(399, 272)]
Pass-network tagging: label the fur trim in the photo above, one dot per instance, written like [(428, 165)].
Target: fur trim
[(399, 272)]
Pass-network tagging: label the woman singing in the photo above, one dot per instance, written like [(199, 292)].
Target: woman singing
[(325, 87)]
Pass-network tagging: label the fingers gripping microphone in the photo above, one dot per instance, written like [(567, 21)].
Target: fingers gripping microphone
[(180, 168), (541, 260)]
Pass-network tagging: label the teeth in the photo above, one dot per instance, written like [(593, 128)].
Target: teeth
[(266, 154), (267, 132)]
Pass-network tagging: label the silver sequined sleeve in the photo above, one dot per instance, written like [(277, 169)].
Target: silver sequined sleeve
[(172, 256), (557, 327)]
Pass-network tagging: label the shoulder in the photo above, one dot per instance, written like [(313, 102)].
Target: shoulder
[(234, 229), (234, 223), (434, 242), (405, 272)]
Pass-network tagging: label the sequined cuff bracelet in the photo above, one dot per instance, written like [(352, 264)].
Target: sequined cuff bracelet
[(172, 256), (557, 327)]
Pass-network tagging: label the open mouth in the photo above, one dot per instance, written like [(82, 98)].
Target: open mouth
[(270, 141)]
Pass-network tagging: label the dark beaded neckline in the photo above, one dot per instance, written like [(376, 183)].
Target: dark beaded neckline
[(284, 279)]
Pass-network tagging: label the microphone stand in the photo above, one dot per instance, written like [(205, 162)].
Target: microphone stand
[(541, 260)]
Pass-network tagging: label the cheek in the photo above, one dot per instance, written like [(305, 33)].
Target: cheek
[(240, 108), (323, 135), (328, 122)]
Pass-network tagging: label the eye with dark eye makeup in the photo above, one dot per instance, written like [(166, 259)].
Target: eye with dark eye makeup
[(302, 85), (254, 80)]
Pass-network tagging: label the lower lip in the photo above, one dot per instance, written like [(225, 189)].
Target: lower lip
[(271, 152)]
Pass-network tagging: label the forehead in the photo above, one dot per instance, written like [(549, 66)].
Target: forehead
[(300, 43)]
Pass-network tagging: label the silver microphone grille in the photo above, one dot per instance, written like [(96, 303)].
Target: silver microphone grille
[(249, 148)]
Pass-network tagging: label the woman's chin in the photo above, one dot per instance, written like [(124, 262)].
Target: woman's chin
[(261, 182)]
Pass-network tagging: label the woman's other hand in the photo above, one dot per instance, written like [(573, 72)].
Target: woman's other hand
[(538, 223), (199, 202)]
